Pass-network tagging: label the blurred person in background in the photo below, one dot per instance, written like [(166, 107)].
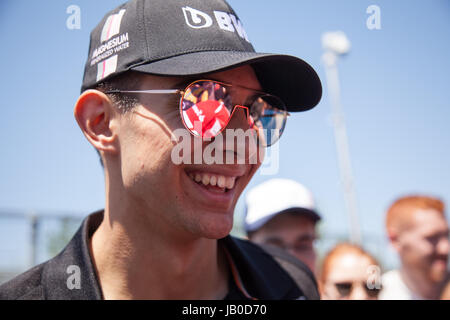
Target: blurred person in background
[(282, 213), (349, 273), (446, 292), (164, 232), (418, 231)]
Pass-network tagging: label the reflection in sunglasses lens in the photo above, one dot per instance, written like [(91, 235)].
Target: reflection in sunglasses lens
[(207, 108), (269, 114)]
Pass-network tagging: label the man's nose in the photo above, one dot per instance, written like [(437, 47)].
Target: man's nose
[(239, 139), (358, 293), (239, 119), (443, 246)]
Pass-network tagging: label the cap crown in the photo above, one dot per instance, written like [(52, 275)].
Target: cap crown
[(274, 196), (142, 31)]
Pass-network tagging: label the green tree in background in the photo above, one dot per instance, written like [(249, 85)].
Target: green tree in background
[(57, 240)]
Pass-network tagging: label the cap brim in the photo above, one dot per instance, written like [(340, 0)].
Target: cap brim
[(311, 214), (290, 78)]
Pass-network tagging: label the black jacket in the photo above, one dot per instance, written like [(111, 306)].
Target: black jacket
[(257, 273)]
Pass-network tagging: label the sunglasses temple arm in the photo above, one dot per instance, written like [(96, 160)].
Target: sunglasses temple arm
[(169, 91), (250, 121)]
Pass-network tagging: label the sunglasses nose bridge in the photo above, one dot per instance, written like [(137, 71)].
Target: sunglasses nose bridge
[(358, 292), (247, 114)]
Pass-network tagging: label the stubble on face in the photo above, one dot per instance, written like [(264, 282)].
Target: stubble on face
[(424, 245), (160, 189)]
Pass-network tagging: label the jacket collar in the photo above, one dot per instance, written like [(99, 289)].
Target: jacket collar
[(260, 276), (60, 273), (255, 273)]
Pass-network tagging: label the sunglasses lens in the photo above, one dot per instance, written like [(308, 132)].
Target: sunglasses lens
[(269, 115), (344, 288), (206, 108), (373, 293)]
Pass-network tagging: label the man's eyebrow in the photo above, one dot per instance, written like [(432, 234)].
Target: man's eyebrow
[(187, 81), (306, 236), (274, 238), (183, 83)]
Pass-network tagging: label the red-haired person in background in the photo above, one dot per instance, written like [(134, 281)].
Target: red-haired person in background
[(418, 231), (446, 292), (349, 273)]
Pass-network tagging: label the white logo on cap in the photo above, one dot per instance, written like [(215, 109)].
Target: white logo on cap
[(196, 19), (106, 67), (112, 26), (103, 55)]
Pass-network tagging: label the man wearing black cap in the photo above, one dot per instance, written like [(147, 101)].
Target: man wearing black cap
[(156, 67)]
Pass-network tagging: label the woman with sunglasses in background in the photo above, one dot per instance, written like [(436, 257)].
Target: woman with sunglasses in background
[(348, 272), (164, 230)]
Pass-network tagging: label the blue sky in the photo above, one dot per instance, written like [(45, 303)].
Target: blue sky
[(395, 96)]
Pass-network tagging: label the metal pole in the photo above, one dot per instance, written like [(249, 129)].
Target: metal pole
[(34, 239), (340, 133)]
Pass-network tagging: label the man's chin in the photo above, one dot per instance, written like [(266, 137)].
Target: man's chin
[(438, 271), (217, 228)]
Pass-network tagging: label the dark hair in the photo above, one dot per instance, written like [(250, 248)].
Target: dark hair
[(129, 80)]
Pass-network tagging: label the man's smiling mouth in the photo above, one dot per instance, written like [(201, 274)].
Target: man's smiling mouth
[(213, 182)]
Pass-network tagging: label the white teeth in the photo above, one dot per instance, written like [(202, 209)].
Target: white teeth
[(205, 179), (214, 180), (221, 182), (229, 183)]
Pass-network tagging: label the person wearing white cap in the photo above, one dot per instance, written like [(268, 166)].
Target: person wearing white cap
[(282, 213), (162, 76)]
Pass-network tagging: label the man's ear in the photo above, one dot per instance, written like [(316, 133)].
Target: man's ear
[(94, 114), (394, 238)]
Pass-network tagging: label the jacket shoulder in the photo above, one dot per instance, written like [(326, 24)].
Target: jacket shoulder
[(299, 272), (26, 286), (277, 266)]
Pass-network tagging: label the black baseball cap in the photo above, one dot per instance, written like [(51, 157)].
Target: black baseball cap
[(189, 38)]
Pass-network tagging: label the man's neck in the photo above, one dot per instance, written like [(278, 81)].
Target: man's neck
[(419, 286), (134, 262)]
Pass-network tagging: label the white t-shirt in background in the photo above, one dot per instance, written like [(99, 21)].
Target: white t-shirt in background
[(394, 288)]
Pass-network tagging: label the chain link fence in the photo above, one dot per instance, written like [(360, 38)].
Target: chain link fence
[(30, 238)]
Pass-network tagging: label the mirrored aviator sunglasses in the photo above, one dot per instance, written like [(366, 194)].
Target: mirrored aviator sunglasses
[(207, 107), (345, 289)]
